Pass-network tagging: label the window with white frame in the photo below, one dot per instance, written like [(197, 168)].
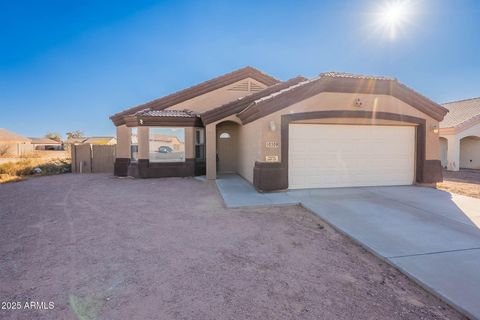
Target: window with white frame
[(166, 144)]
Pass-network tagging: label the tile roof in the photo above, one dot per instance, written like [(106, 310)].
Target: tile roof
[(98, 140), (9, 136), (75, 140), (331, 74), (166, 113), (341, 82), (199, 89), (355, 76), (241, 103), (43, 141), (461, 112)]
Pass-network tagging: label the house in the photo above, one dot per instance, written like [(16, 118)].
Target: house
[(334, 130), (90, 140), (46, 144), (100, 140), (12, 144), (460, 135), (74, 140)]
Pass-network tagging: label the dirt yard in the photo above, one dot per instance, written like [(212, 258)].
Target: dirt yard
[(100, 247), (465, 182)]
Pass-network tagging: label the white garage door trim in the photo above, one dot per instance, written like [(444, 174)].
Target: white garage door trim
[(330, 155)]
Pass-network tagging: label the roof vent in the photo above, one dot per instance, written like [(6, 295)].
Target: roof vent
[(242, 86), (255, 87)]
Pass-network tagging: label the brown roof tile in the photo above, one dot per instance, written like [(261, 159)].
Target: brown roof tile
[(166, 113)]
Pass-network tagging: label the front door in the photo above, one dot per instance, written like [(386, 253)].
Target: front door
[(227, 139)]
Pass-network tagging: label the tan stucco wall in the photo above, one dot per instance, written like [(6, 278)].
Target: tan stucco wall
[(124, 135), (215, 98), (470, 153), (345, 101), (454, 137), (189, 143), (248, 149), (143, 147)]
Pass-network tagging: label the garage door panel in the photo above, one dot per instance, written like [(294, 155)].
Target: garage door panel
[(350, 155)]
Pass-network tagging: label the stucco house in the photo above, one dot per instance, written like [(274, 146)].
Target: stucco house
[(334, 130), (100, 140), (45, 144), (460, 135), (13, 144)]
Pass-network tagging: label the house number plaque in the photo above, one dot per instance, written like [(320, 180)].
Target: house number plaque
[(271, 158), (271, 144)]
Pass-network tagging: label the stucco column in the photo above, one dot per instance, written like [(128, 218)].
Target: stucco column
[(124, 138), (143, 146), (211, 150), (189, 143), (453, 154)]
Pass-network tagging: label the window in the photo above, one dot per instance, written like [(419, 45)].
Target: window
[(225, 135), (166, 144), (199, 144), (134, 145)]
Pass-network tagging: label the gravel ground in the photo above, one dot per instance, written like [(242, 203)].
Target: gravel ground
[(465, 182), (100, 247)]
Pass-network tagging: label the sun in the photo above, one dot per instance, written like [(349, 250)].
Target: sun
[(393, 15)]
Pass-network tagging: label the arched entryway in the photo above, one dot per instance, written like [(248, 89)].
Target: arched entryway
[(470, 152), (443, 145), (227, 147)]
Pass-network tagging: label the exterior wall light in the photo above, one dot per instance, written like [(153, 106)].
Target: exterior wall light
[(272, 125), (435, 129), (141, 121), (358, 103)]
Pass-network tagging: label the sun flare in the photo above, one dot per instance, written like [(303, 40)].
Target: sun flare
[(393, 15)]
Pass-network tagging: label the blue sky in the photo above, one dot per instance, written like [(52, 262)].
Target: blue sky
[(68, 65)]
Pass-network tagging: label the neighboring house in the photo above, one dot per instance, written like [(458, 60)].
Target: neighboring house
[(90, 140), (12, 144), (46, 144), (74, 140), (334, 130), (460, 135), (100, 140)]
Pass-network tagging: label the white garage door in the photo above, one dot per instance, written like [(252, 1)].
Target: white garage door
[(327, 156)]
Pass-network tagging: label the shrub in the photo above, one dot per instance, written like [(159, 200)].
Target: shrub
[(18, 170)]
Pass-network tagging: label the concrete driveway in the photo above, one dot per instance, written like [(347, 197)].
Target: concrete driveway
[(430, 235)]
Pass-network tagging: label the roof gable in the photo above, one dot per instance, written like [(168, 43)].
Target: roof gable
[(343, 83), (242, 103), (197, 90), (461, 113)]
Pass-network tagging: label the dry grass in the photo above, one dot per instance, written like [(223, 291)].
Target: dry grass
[(20, 170), (464, 182), (463, 188)]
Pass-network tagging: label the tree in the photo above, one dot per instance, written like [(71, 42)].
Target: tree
[(75, 134), (53, 136)]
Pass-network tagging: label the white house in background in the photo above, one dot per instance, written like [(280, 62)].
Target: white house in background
[(460, 135)]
